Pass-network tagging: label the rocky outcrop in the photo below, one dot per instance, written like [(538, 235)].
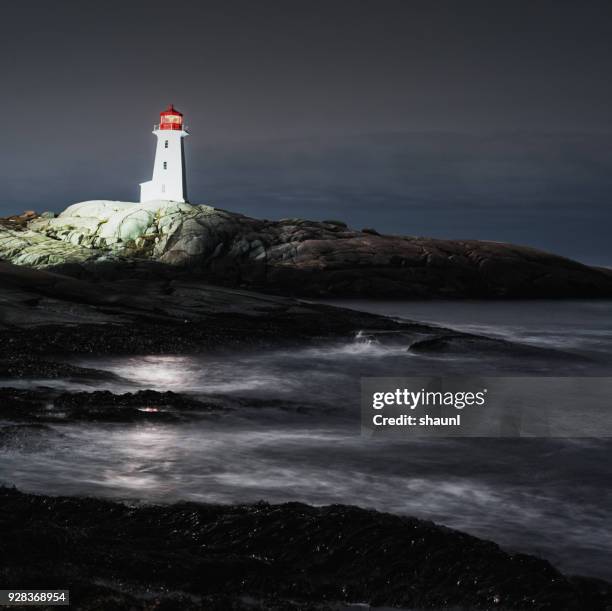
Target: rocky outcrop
[(18, 221), (275, 557), (292, 256)]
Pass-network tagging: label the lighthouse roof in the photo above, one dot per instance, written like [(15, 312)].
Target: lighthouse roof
[(171, 111)]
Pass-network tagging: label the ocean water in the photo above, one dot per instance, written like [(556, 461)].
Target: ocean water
[(291, 431)]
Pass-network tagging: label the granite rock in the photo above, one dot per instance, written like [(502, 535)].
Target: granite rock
[(291, 256)]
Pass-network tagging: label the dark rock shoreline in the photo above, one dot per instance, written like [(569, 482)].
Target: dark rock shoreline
[(46, 318), (276, 557)]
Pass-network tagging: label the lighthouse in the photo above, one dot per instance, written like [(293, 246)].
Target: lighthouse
[(168, 180)]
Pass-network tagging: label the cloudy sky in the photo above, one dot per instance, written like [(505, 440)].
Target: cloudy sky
[(489, 120)]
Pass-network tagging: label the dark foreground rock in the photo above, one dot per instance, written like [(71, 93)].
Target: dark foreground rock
[(291, 256), (292, 556)]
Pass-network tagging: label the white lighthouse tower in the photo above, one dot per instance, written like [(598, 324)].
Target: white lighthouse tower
[(168, 180)]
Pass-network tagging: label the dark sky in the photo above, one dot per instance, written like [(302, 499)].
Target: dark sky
[(489, 120)]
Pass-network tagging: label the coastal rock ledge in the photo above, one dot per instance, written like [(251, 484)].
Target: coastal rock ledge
[(290, 256)]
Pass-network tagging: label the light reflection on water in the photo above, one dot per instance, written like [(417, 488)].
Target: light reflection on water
[(550, 497)]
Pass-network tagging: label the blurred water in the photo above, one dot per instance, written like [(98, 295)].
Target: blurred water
[(292, 432)]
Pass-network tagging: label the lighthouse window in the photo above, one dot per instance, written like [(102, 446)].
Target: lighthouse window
[(165, 165), (165, 144)]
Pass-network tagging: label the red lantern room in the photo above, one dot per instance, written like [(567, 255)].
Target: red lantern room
[(171, 119)]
